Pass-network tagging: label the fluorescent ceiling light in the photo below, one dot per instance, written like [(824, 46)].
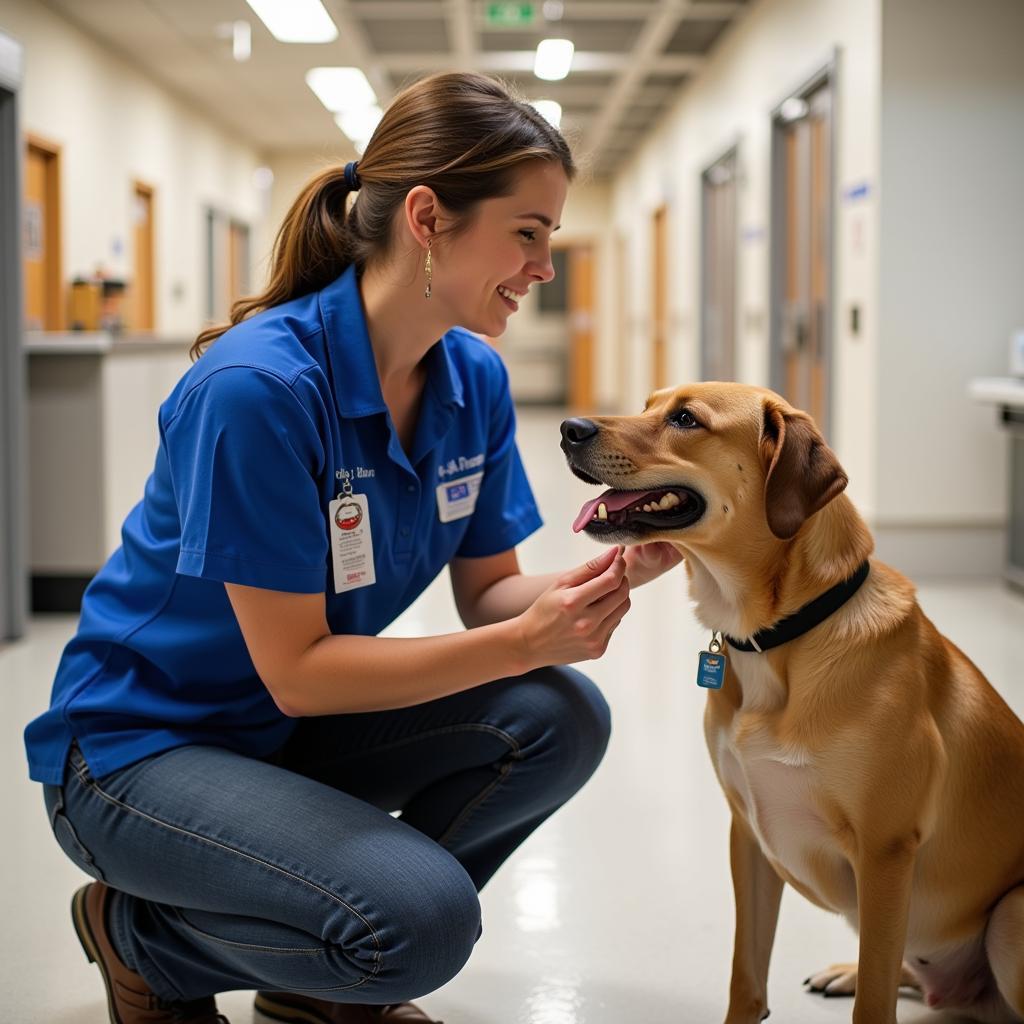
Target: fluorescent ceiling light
[(241, 40), (554, 57), (341, 89), (550, 110), (359, 125), (296, 21)]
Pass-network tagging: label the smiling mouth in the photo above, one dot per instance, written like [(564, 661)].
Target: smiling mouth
[(509, 297), (673, 507)]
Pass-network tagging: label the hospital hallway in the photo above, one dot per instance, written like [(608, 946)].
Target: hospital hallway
[(408, 219), (619, 908)]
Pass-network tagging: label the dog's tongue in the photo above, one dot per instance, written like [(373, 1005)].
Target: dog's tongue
[(613, 500)]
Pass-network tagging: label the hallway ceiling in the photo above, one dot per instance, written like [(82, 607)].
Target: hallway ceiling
[(631, 58)]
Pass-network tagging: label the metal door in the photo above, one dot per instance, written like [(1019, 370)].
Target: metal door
[(13, 512), (718, 269)]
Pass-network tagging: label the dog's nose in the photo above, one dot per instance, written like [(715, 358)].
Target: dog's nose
[(577, 432)]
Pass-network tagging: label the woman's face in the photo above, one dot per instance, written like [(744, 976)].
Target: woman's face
[(507, 248)]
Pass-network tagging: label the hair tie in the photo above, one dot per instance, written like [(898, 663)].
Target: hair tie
[(352, 182)]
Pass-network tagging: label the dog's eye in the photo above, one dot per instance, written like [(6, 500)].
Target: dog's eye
[(685, 419)]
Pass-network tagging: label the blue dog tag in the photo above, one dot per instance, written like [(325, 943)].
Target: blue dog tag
[(711, 666)]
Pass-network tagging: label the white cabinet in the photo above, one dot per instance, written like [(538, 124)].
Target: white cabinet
[(92, 424)]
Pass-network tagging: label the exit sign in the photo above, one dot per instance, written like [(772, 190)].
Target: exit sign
[(509, 15)]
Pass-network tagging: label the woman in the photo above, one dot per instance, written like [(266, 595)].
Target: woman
[(227, 734)]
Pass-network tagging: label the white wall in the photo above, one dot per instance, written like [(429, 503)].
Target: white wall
[(773, 50), (952, 254), (292, 171), (113, 125)]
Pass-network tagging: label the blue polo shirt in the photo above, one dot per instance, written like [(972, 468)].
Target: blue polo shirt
[(256, 441)]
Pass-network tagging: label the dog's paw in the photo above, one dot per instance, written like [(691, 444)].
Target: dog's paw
[(841, 980), (837, 980)]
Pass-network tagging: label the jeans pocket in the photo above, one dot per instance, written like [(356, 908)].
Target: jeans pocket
[(64, 831)]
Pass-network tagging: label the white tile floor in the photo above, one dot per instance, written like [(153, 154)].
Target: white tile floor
[(618, 910)]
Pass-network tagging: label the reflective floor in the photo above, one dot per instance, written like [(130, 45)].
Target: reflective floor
[(618, 910)]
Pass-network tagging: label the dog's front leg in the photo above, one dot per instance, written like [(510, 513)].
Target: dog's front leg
[(757, 890), (884, 879)]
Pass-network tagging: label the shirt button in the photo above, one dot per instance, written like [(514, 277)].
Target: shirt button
[(405, 531), (411, 488)]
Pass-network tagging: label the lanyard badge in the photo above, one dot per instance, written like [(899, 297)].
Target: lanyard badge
[(711, 665), (351, 541)]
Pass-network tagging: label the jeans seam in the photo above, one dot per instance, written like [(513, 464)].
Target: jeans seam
[(311, 952), (516, 755), (295, 950), (263, 863), (453, 829)]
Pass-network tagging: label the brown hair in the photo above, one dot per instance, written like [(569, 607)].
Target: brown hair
[(461, 134)]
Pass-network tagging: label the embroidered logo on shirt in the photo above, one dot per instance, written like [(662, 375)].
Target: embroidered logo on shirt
[(460, 465), (354, 473)]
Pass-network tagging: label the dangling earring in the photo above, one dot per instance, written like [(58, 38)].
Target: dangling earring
[(428, 267)]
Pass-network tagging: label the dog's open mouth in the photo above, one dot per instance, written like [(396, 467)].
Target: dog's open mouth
[(667, 508)]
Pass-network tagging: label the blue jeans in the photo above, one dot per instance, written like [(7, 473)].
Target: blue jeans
[(290, 874)]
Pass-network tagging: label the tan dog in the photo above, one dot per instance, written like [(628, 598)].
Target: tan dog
[(867, 762)]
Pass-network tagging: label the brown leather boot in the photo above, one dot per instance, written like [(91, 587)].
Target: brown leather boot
[(129, 999), (295, 1009)]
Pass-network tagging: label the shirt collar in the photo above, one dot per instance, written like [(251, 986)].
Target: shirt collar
[(353, 370)]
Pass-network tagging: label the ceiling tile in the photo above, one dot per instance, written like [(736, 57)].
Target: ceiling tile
[(696, 36), (421, 36)]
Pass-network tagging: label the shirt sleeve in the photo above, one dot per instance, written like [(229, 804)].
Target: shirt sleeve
[(506, 512), (244, 455)]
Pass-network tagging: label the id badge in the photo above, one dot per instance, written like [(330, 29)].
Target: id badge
[(351, 542), (711, 665), (456, 499)]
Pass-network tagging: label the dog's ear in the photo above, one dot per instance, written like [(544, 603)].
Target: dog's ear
[(804, 474)]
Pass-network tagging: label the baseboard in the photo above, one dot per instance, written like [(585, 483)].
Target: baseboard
[(943, 552), (58, 593)]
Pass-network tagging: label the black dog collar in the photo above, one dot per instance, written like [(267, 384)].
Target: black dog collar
[(803, 621)]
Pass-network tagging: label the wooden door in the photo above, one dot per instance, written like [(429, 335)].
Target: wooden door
[(581, 328), (659, 300), (143, 311), (806, 223), (41, 244)]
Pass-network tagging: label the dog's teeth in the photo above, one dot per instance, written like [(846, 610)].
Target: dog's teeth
[(602, 511), (647, 508), (666, 501)]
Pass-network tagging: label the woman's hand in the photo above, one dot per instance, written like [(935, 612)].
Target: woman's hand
[(645, 562), (574, 618)]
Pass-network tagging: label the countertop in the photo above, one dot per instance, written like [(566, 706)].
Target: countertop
[(998, 390), (99, 342)]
